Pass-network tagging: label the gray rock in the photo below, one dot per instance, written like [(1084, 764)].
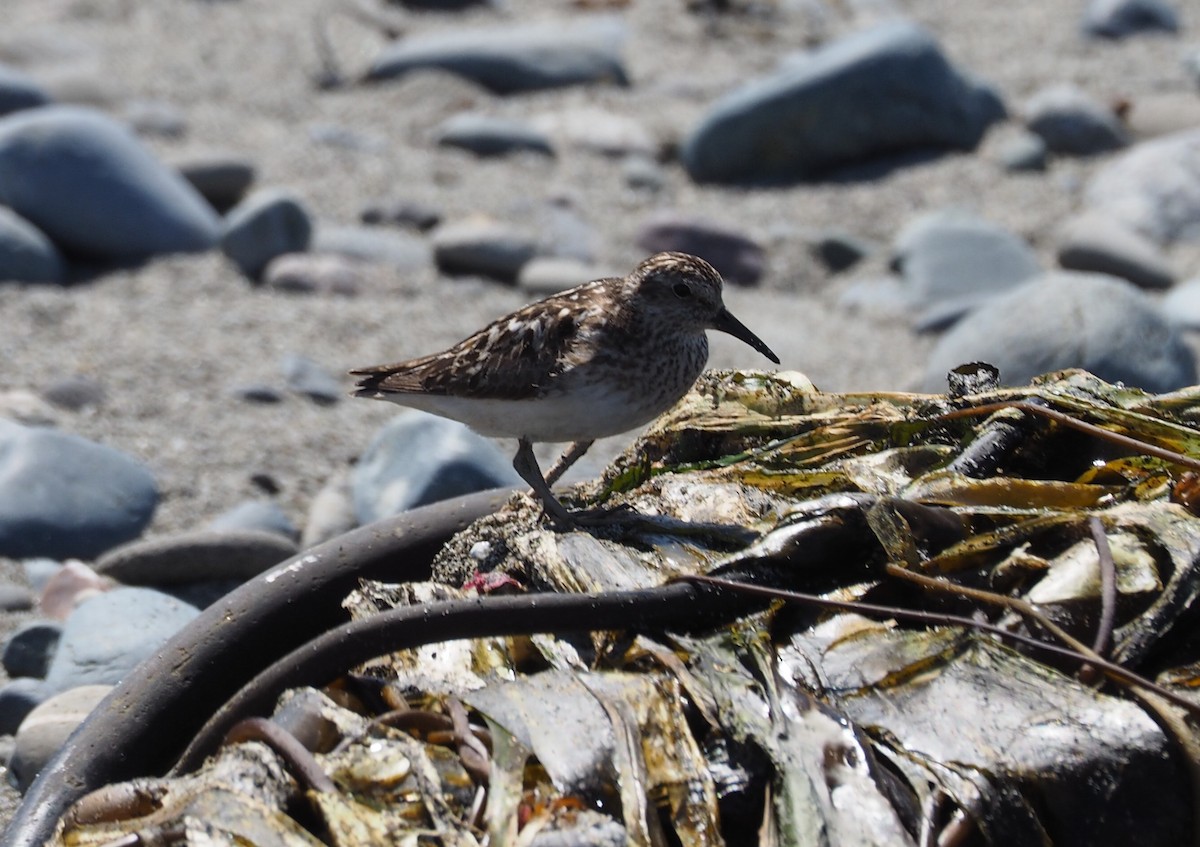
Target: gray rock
[(1182, 304), (25, 407), (407, 213), (108, 634), (1153, 188), (483, 247), (17, 699), (508, 59), (1095, 242), (93, 188), (30, 647), (307, 377), (398, 250), (839, 251), (417, 459), (331, 512), (267, 224), (643, 172), (1065, 319), (549, 275), (1119, 18), (345, 138), (39, 572), (15, 598), (951, 261), (155, 117), (1024, 152), (18, 91), (258, 393), (736, 256), (200, 556), (47, 727), (314, 273), (26, 254), (598, 130), (880, 91), (62, 496), (1073, 122), (74, 392), (484, 135), (256, 516), (221, 178)]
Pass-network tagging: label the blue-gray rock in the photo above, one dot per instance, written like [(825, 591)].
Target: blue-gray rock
[(258, 515), (331, 512), (1095, 242), (260, 393), (735, 255), (546, 275), (484, 135), (93, 188), (155, 117), (17, 699), (643, 172), (1182, 304), (523, 57), (1066, 319), (398, 250), (1024, 152), (39, 571), (15, 598), (314, 273), (412, 214), (267, 224), (310, 378), (1153, 188), (1071, 121), (26, 254), (108, 634), (839, 251), (74, 392), (47, 728), (483, 247), (951, 261), (880, 91), (417, 459), (30, 647), (62, 496), (221, 178), (19, 91), (201, 556), (1119, 18)]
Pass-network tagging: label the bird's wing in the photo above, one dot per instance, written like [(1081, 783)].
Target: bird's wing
[(516, 357)]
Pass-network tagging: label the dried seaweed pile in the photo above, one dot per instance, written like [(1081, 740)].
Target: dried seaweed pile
[(871, 619)]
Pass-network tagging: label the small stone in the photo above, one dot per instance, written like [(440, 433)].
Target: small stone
[(19, 91), (15, 598), (69, 586), (307, 377), (1071, 121), (839, 251), (221, 178), (405, 213), (26, 254), (483, 247), (1093, 241), (155, 117), (25, 407), (47, 727), (74, 393), (258, 516), (331, 512), (199, 556), (598, 130), (1121, 18), (399, 251), (418, 459), (1164, 113), (1025, 151), (314, 273), (258, 393), (63, 496), (39, 571), (643, 172), (30, 647), (344, 138), (545, 275), (488, 136), (737, 257), (267, 224), (1182, 305), (18, 698)]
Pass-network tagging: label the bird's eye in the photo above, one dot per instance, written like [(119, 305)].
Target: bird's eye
[(682, 291)]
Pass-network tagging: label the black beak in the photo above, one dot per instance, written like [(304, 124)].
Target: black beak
[(726, 322)]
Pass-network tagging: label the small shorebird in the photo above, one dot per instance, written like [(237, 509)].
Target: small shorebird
[(596, 360)]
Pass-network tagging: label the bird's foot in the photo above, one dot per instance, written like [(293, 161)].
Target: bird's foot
[(599, 516)]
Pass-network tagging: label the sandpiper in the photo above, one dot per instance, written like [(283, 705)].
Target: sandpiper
[(595, 360)]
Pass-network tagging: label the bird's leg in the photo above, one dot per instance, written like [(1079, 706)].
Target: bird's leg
[(526, 465), (566, 460)]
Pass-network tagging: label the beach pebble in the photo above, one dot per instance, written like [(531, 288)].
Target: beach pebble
[(1025, 151), (951, 261), (30, 647), (155, 117), (839, 251), (310, 378), (1071, 121), (545, 275), (257, 516), (314, 273), (25, 407), (417, 459), (643, 172), (205, 555), (18, 698), (518, 57), (482, 247), (1153, 187), (1182, 304), (221, 178), (19, 91), (107, 635), (331, 512), (47, 727), (15, 598), (259, 393), (38, 572), (92, 187), (1093, 241), (62, 495), (268, 223), (69, 586), (74, 392), (598, 130), (26, 254), (735, 255), (334, 135), (399, 251), (1119, 18), (412, 214), (1066, 319), (877, 91), (484, 135)]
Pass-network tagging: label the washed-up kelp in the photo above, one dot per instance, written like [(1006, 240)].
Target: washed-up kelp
[(947, 620)]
